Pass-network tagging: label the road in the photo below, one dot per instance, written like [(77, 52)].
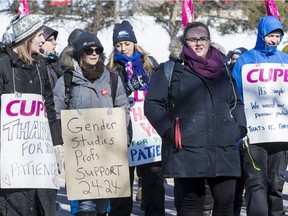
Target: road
[(169, 200)]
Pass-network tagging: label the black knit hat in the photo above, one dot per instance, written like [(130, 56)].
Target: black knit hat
[(73, 35), (25, 27), (48, 32), (123, 32), (84, 40)]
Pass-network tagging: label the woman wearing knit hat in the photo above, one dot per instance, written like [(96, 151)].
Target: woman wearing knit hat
[(135, 67), (92, 87), (22, 72)]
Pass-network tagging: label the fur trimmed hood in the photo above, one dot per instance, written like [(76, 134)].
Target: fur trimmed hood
[(68, 61), (176, 45)]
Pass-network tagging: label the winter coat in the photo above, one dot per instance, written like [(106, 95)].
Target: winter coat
[(22, 202), (262, 53), (85, 94), (208, 113), (27, 81)]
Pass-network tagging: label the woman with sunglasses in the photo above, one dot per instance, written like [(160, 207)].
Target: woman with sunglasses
[(90, 78), (135, 67)]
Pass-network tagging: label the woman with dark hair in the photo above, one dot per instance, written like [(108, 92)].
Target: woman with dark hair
[(200, 119)]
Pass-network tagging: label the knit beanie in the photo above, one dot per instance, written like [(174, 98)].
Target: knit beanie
[(123, 32), (73, 35), (84, 40), (25, 27), (285, 49), (48, 32)]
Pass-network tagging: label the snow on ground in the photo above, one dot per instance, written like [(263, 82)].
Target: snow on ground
[(151, 36)]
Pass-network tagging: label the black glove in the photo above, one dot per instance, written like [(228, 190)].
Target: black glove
[(135, 83)]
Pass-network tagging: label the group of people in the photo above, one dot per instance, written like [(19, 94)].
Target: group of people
[(198, 103)]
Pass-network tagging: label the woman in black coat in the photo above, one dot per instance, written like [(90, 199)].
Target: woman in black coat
[(21, 71), (200, 119)]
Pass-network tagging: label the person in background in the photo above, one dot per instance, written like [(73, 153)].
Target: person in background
[(90, 77), (265, 158), (48, 49), (233, 55), (240, 181), (135, 66), (200, 119), (22, 71)]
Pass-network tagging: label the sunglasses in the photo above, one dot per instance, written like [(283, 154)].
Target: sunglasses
[(89, 51)]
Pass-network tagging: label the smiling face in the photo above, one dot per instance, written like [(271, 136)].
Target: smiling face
[(198, 39), (273, 39), (90, 57)]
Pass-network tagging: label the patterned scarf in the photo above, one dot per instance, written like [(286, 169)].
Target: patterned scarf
[(133, 66), (209, 67)]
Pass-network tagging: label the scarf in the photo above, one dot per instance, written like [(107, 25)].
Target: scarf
[(133, 66), (209, 67), (94, 73)]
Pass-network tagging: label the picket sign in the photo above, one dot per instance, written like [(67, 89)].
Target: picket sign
[(146, 143), (27, 156), (265, 94), (95, 153)]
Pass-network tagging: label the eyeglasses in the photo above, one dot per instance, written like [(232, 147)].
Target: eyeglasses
[(193, 41), (89, 51)]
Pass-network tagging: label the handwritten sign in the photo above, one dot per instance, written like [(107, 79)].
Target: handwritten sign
[(265, 93), (27, 156), (146, 143), (95, 153)]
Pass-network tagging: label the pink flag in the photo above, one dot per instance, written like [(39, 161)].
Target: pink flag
[(271, 8), (23, 7), (187, 12)]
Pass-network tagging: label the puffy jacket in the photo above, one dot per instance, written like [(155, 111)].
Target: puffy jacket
[(208, 113), (85, 94)]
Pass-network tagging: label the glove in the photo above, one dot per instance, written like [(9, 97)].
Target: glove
[(59, 153), (135, 83), (244, 143)]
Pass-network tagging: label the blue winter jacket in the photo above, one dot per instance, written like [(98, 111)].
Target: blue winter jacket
[(262, 52)]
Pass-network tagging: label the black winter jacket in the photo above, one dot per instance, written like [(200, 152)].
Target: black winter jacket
[(209, 115), (27, 81)]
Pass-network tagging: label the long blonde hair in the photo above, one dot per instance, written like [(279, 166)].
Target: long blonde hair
[(146, 62), (24, 51)]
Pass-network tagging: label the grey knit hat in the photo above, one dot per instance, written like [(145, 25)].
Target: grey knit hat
[(123, 32), (25, 27), (84, 40)]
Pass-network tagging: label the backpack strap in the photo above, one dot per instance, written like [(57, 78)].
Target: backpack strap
[(114, 84), (168, 70), (68, 75)]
